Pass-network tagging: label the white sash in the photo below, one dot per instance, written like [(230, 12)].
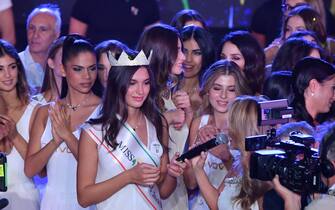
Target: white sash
[(128, 153)]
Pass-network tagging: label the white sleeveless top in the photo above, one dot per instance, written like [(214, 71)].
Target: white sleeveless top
[(61, 190), (21, 192), (178, 199), (231, 190), (232, 187), (39, 98), (128, 197), (215, 171)]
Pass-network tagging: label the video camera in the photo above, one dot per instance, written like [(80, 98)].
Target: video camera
[(294, 161)]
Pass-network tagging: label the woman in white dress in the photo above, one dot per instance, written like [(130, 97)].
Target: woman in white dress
[(221, 83), (20, 111), (166, 63), (237, 191), (123, 159), (53, 149)]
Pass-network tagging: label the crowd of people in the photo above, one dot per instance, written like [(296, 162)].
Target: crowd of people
[(100, 125)]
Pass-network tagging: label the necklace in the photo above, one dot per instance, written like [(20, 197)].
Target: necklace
[(76, 107), (137, 123)]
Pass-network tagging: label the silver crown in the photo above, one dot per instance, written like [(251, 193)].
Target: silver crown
[(124, 59)]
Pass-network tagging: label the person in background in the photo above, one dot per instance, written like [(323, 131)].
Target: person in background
[(279, 86), (292, 51), (102, 49), (7, 28), (301, 18), (52, 82), (188, 17), (166, 63), (242, 48), (43, 27), (313, 88), (126, 20), (199, 54)]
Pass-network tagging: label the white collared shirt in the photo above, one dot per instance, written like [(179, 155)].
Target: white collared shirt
[(34, 71)]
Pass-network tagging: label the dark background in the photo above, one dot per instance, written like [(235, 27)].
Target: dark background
[(222, 16)]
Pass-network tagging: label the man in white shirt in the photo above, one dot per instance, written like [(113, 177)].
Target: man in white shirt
[(43, 27)]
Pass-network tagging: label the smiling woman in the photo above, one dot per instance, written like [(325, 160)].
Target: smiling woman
[(21, 193), (124, 151), (199, 54)]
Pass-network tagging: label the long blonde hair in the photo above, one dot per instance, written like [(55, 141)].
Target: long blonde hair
[(219, 68), (242, 118)]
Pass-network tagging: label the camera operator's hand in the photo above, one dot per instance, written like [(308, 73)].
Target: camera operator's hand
[(291, 199), (206, 133)]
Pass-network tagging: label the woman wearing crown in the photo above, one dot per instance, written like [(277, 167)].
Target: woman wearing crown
[(123, 161)]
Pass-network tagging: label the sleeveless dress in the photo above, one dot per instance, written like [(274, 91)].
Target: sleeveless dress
[(112, 162), (21, 192), (178, 199), (61, 190), (232, 187), (215, 171)]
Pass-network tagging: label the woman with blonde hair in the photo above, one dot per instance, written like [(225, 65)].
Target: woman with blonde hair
[(237, 190), (221, 83)]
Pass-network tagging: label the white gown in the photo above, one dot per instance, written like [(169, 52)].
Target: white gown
[(127, 198), (178, 199), (21, 192), (215, 171), (61, 190)]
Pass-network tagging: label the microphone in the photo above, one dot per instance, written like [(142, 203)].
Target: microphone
[(220, 138), (3, 203)]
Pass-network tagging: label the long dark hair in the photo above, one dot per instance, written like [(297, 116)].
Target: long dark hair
[(205, 42), (49, 80), (312, 20), (114, 102), (291, 52), (73, 45), (253, 55), (163, 40), (185, 15), (307, 69), (22, 88)]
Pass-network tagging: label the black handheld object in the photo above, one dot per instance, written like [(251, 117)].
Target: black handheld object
[(3, 203), (220, 138), (3, 172)]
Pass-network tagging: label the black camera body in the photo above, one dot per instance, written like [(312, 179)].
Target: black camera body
[(297, 165)]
